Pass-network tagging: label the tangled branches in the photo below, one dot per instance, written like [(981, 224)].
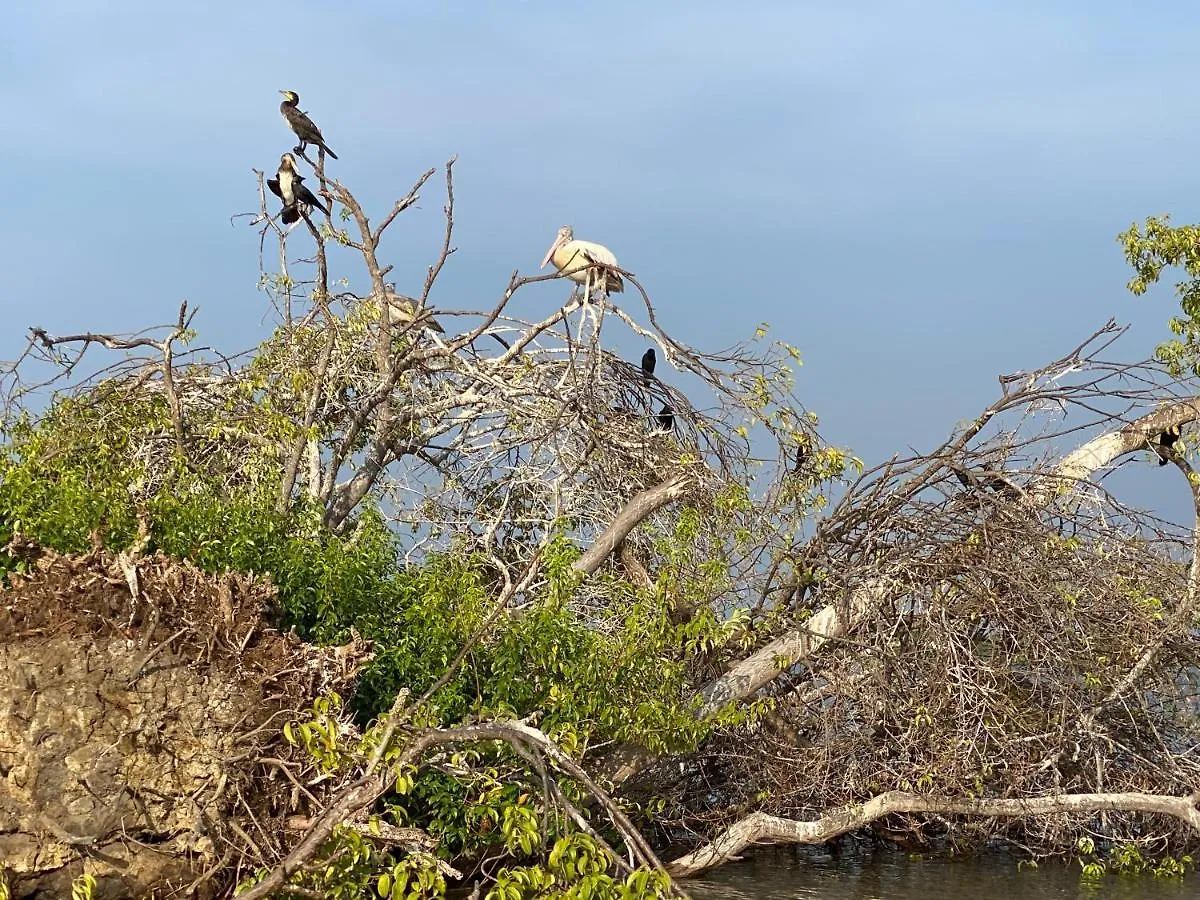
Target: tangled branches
[(979, 624), (981, 630)]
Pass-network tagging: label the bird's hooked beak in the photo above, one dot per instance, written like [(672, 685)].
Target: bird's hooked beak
[(559, 240)]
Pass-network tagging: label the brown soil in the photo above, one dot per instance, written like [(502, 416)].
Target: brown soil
[(138, 700)]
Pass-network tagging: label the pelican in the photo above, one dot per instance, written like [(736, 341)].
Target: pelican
[(569, 255)]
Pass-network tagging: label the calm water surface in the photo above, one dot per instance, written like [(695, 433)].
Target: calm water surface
[(894, 876)]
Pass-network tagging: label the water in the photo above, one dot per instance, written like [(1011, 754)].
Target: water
[(896, 876)]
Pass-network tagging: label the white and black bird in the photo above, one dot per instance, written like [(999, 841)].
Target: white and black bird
[(666, 419), (1169, 439), (288, 186)]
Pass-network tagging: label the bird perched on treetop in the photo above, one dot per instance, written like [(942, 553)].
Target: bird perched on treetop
[(288, 186), (1169, 438), (648, 361), (300, 123), (570, 255)]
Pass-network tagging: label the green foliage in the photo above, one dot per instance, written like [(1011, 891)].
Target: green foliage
[(622, 678), (577, 868), (1127, 859), (413, 877), (99, 465), (83, 886), (91, 466), (1149, 252), (350, 866), (479, 801), (65, 477), (319, 736)]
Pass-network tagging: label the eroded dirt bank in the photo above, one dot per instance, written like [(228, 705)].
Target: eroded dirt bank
[(141, 703)]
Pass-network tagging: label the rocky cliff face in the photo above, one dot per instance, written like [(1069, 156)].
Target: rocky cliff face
[(139, 700)]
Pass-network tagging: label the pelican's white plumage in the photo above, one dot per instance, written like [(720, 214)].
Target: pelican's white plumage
[(573, 256)]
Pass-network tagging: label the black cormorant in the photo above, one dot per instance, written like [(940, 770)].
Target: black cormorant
[(666, 418), (801, 458), (648, 361), (1169, 439), (288, 186), (984, 479), (302, 124)]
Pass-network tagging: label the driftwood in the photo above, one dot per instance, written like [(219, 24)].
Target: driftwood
[(763, 828)]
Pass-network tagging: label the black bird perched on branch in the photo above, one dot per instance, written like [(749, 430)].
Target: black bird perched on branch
[(1169, 439), (801, 457), (648, 361), (288, 186), (666, 417), (308, 132), (975, 479)]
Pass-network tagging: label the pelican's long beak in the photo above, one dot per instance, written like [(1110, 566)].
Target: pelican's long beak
[(558, 241)]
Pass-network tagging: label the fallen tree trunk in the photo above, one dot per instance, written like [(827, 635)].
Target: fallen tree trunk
[(746, 676), (834, 620), (839, 619), (1085, 461), (763, 828)]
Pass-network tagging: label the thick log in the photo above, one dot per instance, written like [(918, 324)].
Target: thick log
[(838, 619), (763, 828)]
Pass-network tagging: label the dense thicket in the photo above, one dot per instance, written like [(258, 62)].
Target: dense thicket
[(565, 599)]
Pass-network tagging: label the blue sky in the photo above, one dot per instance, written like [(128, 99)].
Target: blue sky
[(920, 195)]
